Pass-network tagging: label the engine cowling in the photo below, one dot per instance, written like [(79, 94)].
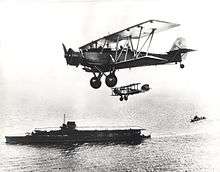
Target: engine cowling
[(72, 57), (145, 87)]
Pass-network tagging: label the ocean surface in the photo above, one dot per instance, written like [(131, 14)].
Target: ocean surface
[(176, 144), (170, 153)]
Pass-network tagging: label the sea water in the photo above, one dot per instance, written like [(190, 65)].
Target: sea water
[(176, 144)]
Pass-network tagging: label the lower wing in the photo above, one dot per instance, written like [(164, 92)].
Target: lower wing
[(142, 61)]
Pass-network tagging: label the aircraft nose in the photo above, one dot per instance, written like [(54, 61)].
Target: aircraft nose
[(145, 87)]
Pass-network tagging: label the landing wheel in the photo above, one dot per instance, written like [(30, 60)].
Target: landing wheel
[(111, 80), (121, 98), (95, 82), (126, 98), (182, 66)]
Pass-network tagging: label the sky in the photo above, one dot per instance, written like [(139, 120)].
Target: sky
[(33, 70)]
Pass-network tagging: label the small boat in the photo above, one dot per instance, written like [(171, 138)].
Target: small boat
[(196, 118)]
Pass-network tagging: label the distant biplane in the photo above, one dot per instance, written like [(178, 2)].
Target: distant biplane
[(127, 90), (123, 49)]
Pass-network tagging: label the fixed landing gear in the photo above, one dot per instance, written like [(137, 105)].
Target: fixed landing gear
[(95, 82), (123, 98), (182, 66), (126, 98), (111, 80)]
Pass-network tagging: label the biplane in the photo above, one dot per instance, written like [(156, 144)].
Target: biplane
[(127, 90), (126, 48)]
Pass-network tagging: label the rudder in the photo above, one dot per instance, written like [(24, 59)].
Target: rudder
[(179, 43)]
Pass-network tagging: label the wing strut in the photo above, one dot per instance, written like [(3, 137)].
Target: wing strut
[(104, 46), (132, 47), (116, 53), (150, 36), (139, 37), (124, 47), (100, 71)]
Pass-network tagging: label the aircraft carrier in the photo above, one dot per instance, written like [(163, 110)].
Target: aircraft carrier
[(70, 134)]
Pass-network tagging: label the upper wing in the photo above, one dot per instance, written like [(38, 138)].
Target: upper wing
[(130, 85), (142, 61), (133, 32)]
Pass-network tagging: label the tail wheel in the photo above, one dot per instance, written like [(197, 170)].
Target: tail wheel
[(95, 82), (111, 80), (182, 66)]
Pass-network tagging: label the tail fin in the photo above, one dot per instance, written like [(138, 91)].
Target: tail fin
[(180, 43), (179, 51)]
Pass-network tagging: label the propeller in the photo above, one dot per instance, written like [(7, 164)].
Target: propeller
[(71, 57), (64, 48)]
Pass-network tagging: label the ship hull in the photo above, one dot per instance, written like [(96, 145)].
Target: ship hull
[(68, 139), (77, 136)]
